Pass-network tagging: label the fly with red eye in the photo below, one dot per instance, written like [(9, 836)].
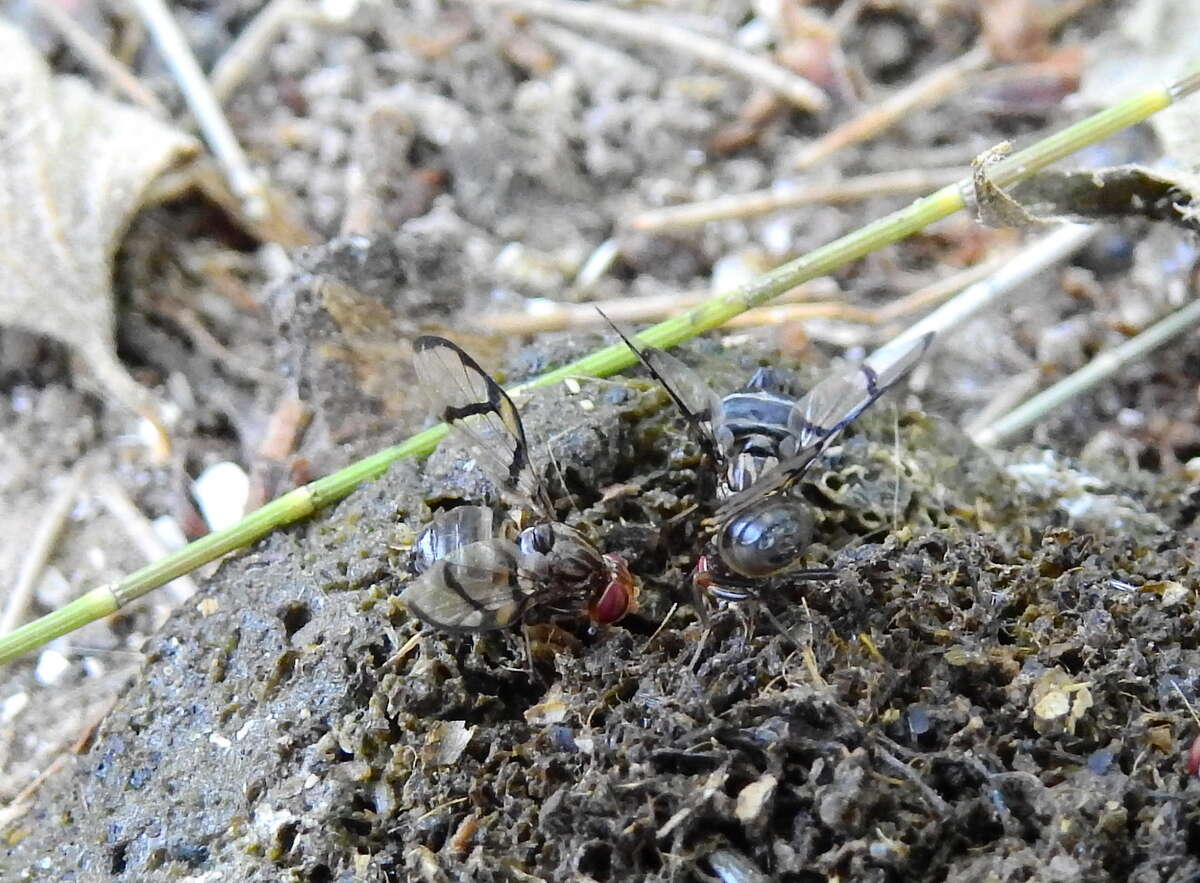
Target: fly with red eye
[(470, 575), (761, 440)]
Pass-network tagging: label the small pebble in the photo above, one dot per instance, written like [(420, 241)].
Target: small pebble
[(13, 705), (222, 491), (51, 666)]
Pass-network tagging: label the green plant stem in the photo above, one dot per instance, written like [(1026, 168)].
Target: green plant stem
[(304, 501)]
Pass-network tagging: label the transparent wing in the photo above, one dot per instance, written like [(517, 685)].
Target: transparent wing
[(475, 588), (451, 529), (827, 409), (482, 414), (837, 401), (699, 404)]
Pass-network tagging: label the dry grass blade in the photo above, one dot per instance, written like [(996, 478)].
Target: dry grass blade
[(1104, 365), (245, 54), (40, 548), (712, 52), (791, 195), (99, 59), (74, 170), (925, 91), (216, 130)]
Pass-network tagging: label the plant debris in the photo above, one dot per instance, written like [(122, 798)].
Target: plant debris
[(76, 166)]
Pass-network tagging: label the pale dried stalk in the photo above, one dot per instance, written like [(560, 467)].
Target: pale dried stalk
[(1101, 367), (930, 89), (139, 529), (791, 195), (99, 59), (715, 53), (797, 305), (627, 310), (938, 291), (1044, 252), (209, 118), (246, 52), (40, 548)]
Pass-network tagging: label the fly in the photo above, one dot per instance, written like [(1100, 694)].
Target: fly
[(762, 439), (470, 576)]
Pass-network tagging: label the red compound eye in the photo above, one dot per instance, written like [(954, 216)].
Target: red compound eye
[(619, 596)]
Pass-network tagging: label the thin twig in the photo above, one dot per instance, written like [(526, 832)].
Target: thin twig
[(930, 89), (41, 547), (1055, 246), (245, 54), (209, 117), (790, 195), (1089, 375), (643, 29), (139, 529), (938, 291), (99, 59)]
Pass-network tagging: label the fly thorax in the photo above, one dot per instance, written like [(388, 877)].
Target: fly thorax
[(561, 555)]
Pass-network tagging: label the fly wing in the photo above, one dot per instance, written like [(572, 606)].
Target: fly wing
[(837, 401), (482, 414), (828, 408), (475, 588), (700, 406)]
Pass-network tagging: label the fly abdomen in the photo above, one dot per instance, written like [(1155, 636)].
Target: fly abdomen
[(767, 538)]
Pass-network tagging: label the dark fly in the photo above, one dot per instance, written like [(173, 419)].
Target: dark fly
[(471, 575), (762, 439)]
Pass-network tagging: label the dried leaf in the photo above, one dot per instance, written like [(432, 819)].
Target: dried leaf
[(1113, 193), (446, 742), (993, 207), (74, 170)]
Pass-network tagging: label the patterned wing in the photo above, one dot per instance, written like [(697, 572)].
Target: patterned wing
[(475, 588), (482, 414), (837, 401), (828, 408)]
